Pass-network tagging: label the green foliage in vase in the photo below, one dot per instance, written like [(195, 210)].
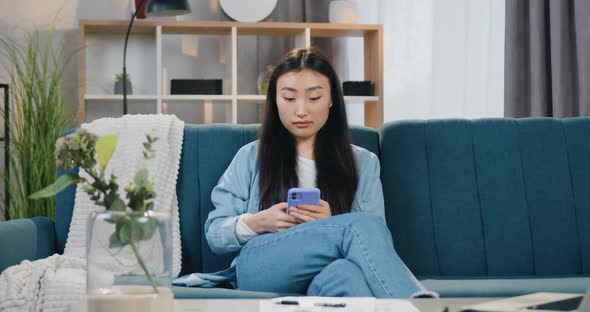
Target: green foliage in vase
[(91, 153), (35, 66)]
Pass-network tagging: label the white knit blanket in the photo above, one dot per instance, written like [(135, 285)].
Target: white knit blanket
[(52, 284), (126, 160)]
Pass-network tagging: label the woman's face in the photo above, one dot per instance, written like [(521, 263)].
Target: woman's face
[(303, 100)]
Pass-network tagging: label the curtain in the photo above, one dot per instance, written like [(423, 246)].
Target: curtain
[(547, 69)]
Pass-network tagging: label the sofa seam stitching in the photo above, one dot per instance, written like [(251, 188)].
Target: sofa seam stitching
[(434, 233), (526, 197), (481, 218), (200, 214), (575, 207)]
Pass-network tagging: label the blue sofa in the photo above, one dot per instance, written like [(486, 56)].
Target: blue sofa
[(490, 207)]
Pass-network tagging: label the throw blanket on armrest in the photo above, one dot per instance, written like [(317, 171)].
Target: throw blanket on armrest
[(52, 284), (126, 160)]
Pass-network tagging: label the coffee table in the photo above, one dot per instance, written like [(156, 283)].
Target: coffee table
[(251, 305)]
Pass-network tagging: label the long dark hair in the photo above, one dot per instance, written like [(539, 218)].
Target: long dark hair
[(336, 175)]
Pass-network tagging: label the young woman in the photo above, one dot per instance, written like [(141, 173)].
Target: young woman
[(340, 247)]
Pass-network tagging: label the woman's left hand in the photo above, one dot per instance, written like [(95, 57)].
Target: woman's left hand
[(306, 213)]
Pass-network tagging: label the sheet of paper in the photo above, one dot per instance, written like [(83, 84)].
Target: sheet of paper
[(335, 304), (394, 305)]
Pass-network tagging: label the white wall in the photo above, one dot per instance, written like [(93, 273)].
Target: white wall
[(442, 59)]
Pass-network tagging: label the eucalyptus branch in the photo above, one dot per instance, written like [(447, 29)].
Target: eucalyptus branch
[(143, 267), (90, 153)]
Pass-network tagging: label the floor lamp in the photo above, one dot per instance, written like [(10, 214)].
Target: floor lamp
[(6, 140), (154, 8)]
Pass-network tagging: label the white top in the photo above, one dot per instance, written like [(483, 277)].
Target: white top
[(306, 172)]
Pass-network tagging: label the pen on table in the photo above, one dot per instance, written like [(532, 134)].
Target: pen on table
[(330, 305), (287, 302), (317, 304)]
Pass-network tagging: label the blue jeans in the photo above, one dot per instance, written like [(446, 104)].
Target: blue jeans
[(348, 255)]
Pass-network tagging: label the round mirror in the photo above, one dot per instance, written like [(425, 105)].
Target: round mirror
[(248, 10)]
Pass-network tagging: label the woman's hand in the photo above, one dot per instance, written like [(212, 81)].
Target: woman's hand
[(273, 219), (306, 213)]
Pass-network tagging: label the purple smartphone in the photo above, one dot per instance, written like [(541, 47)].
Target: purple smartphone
[(302, 195)]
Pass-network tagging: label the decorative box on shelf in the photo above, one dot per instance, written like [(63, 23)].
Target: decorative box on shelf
[(196, 86)]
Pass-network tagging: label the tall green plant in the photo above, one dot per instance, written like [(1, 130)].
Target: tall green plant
[(38, 118)]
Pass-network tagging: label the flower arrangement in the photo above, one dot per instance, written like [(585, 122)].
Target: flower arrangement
[(91, 153)]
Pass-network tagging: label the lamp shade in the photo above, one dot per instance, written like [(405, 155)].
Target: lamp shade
[(167, 7)]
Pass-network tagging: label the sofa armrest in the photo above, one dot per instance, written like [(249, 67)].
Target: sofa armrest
[(26, 239)]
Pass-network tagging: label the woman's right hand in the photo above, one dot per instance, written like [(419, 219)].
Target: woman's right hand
[(273, 219)]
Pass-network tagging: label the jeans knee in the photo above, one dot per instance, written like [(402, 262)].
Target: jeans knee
[(341, 278), (368, 223)]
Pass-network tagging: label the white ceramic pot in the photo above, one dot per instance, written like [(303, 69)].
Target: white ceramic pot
[(343, 12)]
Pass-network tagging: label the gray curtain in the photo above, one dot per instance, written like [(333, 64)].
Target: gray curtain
[(547, 58)]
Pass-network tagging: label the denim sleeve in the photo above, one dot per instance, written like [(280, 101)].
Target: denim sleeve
[(369, 193), (230, 198)]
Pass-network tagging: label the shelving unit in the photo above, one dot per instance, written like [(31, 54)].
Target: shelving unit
[(302, 35)]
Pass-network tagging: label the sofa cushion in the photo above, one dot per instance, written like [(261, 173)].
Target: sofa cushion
[(221, 293), (484, 286), (206, 153), (489, 197), (26, 239)]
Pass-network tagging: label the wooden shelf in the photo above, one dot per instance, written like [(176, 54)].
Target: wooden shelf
[(348, 98), (302, 34), (117, 26), (197, 97), (252, 98), (356, 98), (224, 28), (204, 97), (119, 97)]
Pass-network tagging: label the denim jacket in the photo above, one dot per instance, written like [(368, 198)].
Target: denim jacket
[(237, 193)]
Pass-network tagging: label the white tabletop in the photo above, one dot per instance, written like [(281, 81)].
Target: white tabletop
[(252, 305)]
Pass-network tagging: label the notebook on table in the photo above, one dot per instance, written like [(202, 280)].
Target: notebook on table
[(541, 302)]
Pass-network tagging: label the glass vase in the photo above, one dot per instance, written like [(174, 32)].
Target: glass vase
[(129, 261)]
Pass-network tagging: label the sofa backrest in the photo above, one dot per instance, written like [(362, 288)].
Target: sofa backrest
[(207, 150), (497, 197)]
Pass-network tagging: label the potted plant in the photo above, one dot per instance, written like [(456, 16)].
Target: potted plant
[(35, 66), (119, 80), (129, 244)]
